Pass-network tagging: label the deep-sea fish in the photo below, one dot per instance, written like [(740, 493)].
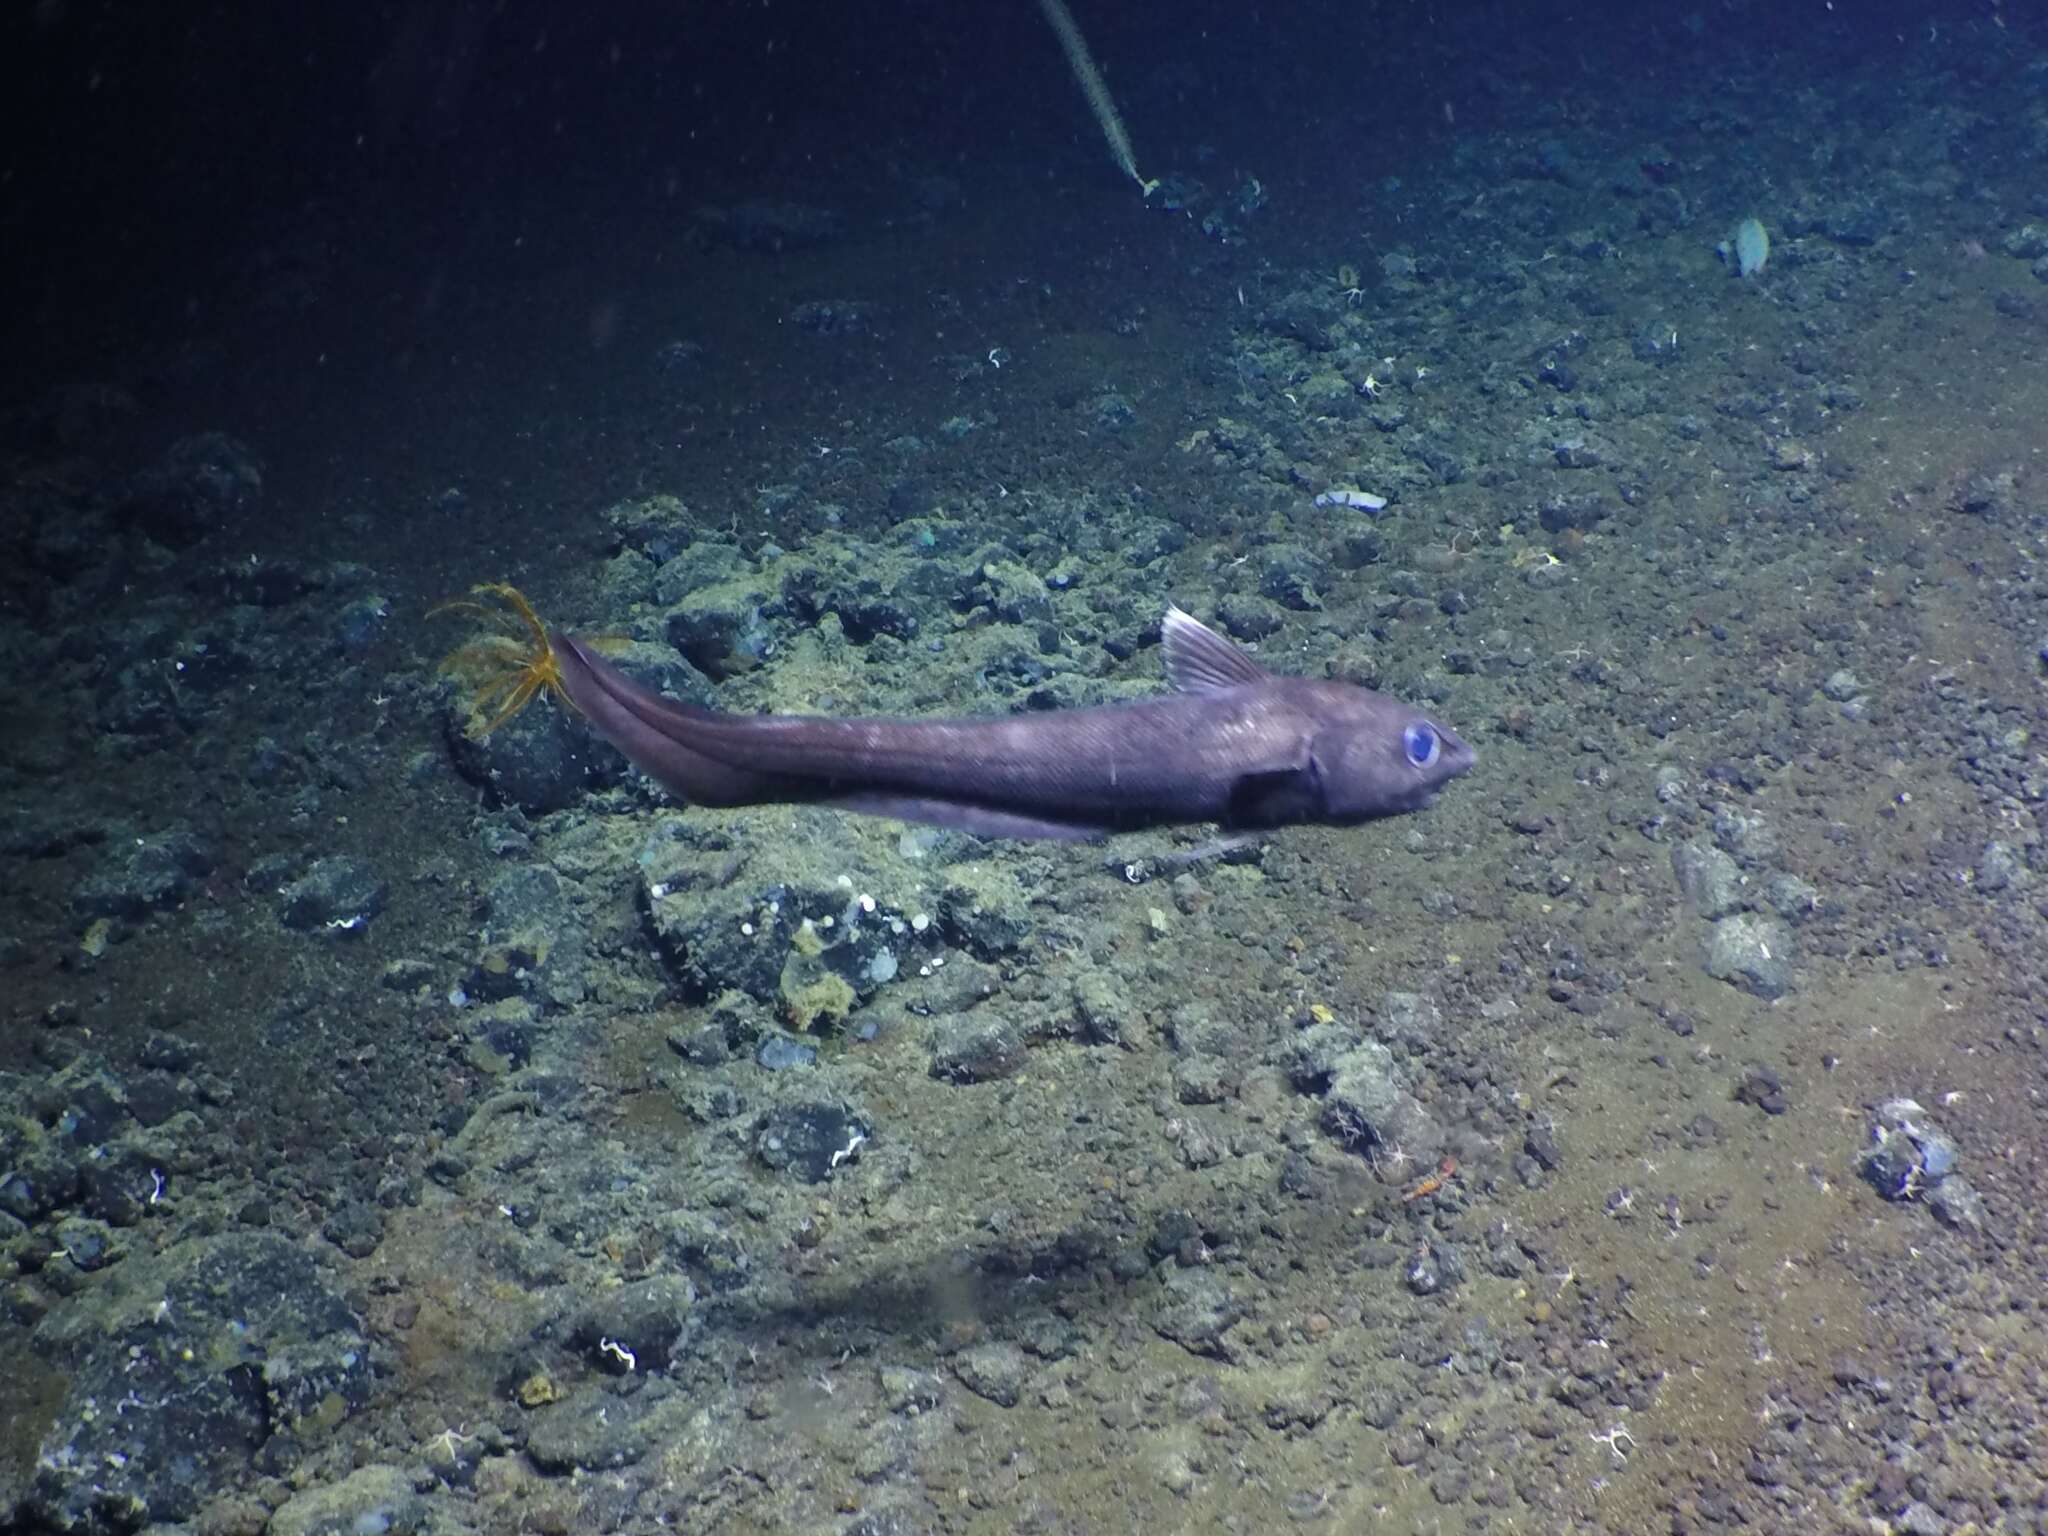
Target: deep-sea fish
[(1232, 743)]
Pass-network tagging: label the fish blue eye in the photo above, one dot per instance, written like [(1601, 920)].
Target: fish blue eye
[(1421, 743)]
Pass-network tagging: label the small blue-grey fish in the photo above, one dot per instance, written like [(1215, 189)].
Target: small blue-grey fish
[(1232, 743)]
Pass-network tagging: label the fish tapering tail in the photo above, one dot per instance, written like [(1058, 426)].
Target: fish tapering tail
[(661, 738)]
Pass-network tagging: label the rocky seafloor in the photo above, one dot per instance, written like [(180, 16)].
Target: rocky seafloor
[(401, 1132)]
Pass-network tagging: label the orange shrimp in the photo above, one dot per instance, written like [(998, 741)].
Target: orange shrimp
[(1446, 1171)]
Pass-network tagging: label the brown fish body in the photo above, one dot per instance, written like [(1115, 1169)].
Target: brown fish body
[(1235, 745)]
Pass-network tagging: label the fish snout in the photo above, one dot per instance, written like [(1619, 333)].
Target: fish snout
[(1457, 757)]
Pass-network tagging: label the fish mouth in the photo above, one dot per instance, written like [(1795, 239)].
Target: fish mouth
[(1455, 760)]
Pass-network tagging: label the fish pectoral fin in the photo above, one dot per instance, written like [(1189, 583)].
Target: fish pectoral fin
[(1276, 799), (966, 816), (1198, 660)]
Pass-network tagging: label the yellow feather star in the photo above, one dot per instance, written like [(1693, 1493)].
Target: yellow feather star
[(506, 666)]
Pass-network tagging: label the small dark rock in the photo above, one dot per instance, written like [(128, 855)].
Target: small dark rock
[(1196, 1310), (598, 1429), (777, 1052), (338, 894), (644, 1318), (810, 1140), (1763, 1088), (994, 1371), (262, 1342), (168, 1052), (356, 1228), (88, 1244), (1298, 1177), (976, 1049), (144, 874)]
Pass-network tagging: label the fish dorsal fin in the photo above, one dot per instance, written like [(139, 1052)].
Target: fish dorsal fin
[(1198, 660)]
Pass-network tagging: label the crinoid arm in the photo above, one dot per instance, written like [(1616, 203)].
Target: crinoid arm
[(507, 663)]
